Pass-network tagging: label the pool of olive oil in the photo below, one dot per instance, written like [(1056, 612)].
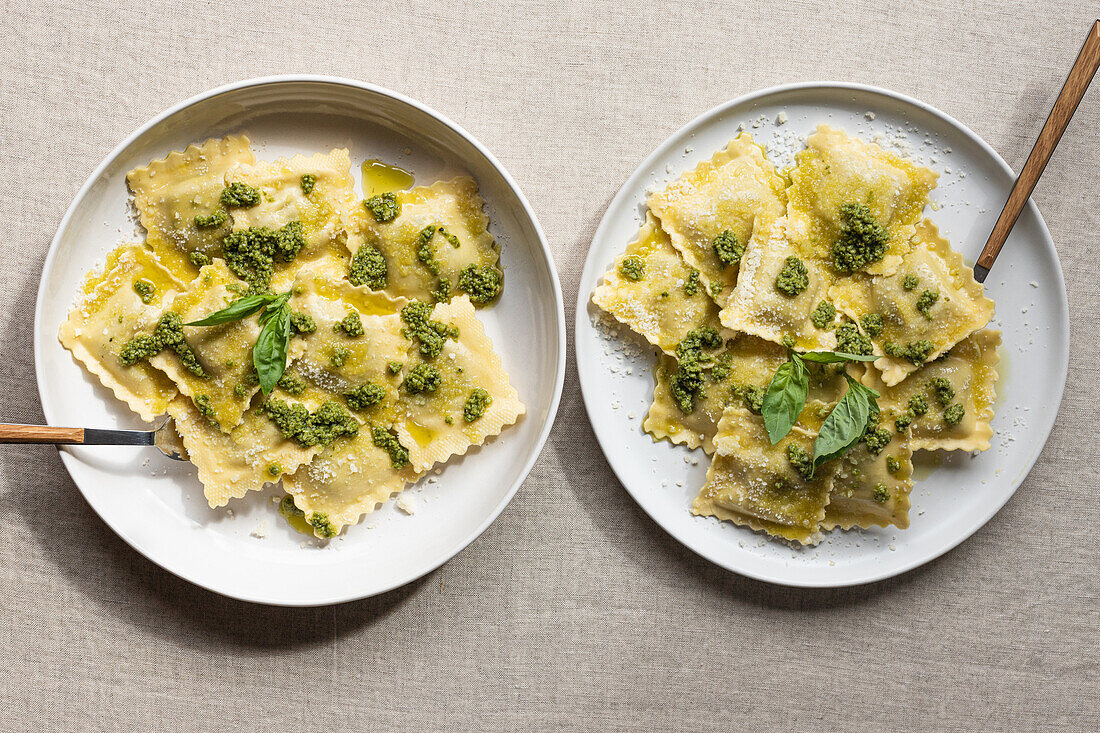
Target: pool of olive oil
[(379, 178)]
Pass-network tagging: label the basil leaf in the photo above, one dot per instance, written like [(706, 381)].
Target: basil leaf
[(269, 353), (833, 357), (785, 398), (235, 311), (846, 423)]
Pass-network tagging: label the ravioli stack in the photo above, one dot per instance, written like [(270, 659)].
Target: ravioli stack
[(389, 370), (738, 263)]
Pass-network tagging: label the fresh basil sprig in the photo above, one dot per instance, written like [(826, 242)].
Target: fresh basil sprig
[(786, 395), (846, 423), (273, 344), (235, 311), (785, 398)]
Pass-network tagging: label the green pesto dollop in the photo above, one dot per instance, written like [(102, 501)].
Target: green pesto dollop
[(903, 421), (146, 290), (483, 284), (340, 355), (422, 378), (425, 252), (452, 239), (691, 285), (876, 440), (915, 352), (823, 315), (872, 324), (892, 464), (350, 325), (918, 404), (320, 427), (302, 322), (942, 390), (394, 367), (751, 396), (385, 207), (881, 494), (910, 282), (274, 469), (632, 267), (476, 404), (322, 525), (213, 220), (307, 182), (431, 335), (365, 396), (801, 460), (289, 382), (387, 441), (793, 278), (239, 195), (727, 249), (686, 383), (202, 404), (715, 288), (168, 334), (850, 341), (289, 509), (199, 259), (368, 267), (252, 253), (953, 415), (861, 241), (926, 300)]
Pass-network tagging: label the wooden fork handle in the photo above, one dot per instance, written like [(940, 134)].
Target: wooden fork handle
[(41, 434), (1076, 83)]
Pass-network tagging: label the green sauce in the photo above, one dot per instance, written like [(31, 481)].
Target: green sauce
[(239, 195), (327, 423), (483, 284), (915, 352), (202, 404), (322, 526), (953, 415), (368, 267), (385, 207), (715, 288), (823, 315), (387, 441), (365, 396), (307, 182), (632, 267), (727, 249), (881, 493), (877, 439), (918, 405), (431, 335), (351, 325), (168, 334), (422, 378), (476, 404), (691, 285), (339, 356), (872, 324), (394, 367), (686, 383), (213, 220), (892, 464), (910, 282), (199, 259), (942, 390), (801, 460), (751, 396), (793, 278), (146, 290), (850, 341), (251, 253), (861, 241), (302, 322), (926, 300)]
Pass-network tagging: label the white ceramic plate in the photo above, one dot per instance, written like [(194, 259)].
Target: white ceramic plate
[(156, 504), (952, 499)]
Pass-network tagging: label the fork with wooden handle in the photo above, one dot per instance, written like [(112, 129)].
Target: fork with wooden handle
[(160, 438), (1076, 83)]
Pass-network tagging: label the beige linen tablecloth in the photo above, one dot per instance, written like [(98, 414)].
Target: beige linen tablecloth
[(574, 611)]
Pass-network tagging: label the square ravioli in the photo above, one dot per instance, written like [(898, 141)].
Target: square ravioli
[(173, 195), (871, 487), (777, 292), (753, 483), (126, 299), (426, 243), (652, 290), (930, 304), (947, 404), (315, 192), (836, 171), (455, 394), (711, 212), (221, 379), (231, 464)]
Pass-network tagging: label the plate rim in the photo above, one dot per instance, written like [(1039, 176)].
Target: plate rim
[(634, 182), (559, 309)]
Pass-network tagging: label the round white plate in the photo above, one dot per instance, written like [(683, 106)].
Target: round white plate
[(156, 504), (952, 499)]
